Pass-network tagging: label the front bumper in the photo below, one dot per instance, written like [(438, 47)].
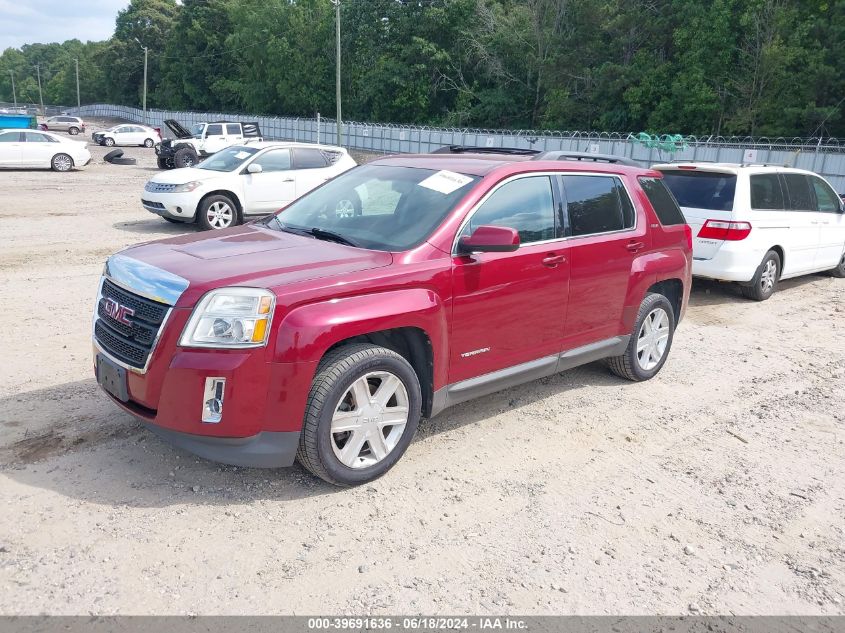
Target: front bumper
[(178, 206), (267, 449)]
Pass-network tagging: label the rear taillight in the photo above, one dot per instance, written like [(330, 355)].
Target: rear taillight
[(721, 230), (688, 235)]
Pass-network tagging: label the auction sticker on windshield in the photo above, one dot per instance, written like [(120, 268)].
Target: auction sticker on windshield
[(241, 154), (445, 181)]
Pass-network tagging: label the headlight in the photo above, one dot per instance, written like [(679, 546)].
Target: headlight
[(230, 317), (188, 186)]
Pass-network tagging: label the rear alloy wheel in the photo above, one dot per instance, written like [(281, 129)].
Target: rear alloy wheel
[(218, 212), (839, 271), (149, 142), (765, 280), (362, 413), (650, 342), (108, 142), (61, 162), (73, 131)]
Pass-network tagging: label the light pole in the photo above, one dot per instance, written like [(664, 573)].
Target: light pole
[(337, 75), (146, 52), (14, 94), (40, 95), (78, 102)]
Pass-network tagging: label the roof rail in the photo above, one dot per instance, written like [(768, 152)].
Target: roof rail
[(585, 156), (468, 149)]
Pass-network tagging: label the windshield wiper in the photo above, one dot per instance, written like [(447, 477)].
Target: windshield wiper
[(323, 234)]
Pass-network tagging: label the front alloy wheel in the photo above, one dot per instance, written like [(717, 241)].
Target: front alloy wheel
[(363, 409)]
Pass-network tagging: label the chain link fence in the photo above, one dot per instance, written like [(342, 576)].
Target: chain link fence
[(823, 156)]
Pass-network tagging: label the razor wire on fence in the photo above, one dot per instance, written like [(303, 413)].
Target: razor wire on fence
[(825, 156)]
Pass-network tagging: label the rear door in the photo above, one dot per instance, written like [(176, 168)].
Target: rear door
[(831, 225), (274, 187), (605, 238), (10, 148), (703, 195), (215, 138), (234, 133), (802, 239), (311, 169)]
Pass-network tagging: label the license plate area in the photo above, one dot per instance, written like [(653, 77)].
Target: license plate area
[(112, 378)]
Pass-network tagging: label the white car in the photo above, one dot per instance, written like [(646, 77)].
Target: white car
[(30, 148), (241, 180), (758, 224), (127, 134)]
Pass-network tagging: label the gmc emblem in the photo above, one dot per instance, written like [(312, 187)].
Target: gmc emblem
[(118, 312)]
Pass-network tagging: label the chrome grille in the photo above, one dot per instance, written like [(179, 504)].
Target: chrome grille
[(159, 187), (129, 343)]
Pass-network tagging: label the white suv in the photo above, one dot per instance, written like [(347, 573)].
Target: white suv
[(757, 224), (254, 179)]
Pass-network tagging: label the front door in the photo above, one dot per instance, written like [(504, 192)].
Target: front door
[(274, 187), (831, 225), (38, 149), (509, 308), (606, 237)]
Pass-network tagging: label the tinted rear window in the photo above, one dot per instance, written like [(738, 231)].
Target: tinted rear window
[(308, 158), (662, 202), (702, 189), (798, 192), (597, 204)]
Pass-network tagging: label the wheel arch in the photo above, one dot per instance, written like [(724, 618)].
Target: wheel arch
[(673, 290), (777, 248)]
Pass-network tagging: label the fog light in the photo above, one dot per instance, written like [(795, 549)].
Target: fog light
[(212, 408)]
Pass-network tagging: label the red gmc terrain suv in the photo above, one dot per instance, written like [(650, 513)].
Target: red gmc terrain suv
[(326, 331)]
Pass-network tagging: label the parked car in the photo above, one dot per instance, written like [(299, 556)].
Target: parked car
[(30, 148), (127, 134), (205, 139), (70, 124), (758, 224), (243, 180), (326, 335)]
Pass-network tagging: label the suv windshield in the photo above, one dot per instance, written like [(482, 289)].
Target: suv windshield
[(702, 189), (382, 207), (228, 159)]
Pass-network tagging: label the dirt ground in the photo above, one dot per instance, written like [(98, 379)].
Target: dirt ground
[(718, 487)]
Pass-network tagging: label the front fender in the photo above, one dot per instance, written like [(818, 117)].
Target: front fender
[(307, 332)]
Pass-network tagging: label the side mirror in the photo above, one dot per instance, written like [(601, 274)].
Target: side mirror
[(489, 239), (254, 168)]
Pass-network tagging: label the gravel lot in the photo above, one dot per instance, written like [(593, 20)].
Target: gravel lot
[(718, 487)]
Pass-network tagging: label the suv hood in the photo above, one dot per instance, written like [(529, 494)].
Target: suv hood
[(178, 130), (187, 174), (249, 255)]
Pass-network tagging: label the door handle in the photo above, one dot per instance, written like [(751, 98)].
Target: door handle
[(553, 260), (288, 180), (635, 246)]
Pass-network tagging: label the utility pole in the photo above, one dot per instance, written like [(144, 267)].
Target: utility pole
[(14, 94), (78, 102), (146, 52), (40, 95), (337, 77)]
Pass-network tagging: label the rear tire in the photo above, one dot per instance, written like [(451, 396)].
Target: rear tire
[(839, 271), (61, 162), (765, 280), (650, 341), (380, 427), (73, 131), (217, 212)]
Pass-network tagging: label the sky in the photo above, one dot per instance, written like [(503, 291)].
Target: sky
[(43, 21)]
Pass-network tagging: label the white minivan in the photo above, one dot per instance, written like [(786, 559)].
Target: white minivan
[(758, 224)]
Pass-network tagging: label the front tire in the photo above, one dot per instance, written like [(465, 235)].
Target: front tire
[(164, 163), (765, 279), (61, 162), (149, 142), (185, 157), (650, 341), (108, 142), (363, 410), (218, 212), (839, 271)]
